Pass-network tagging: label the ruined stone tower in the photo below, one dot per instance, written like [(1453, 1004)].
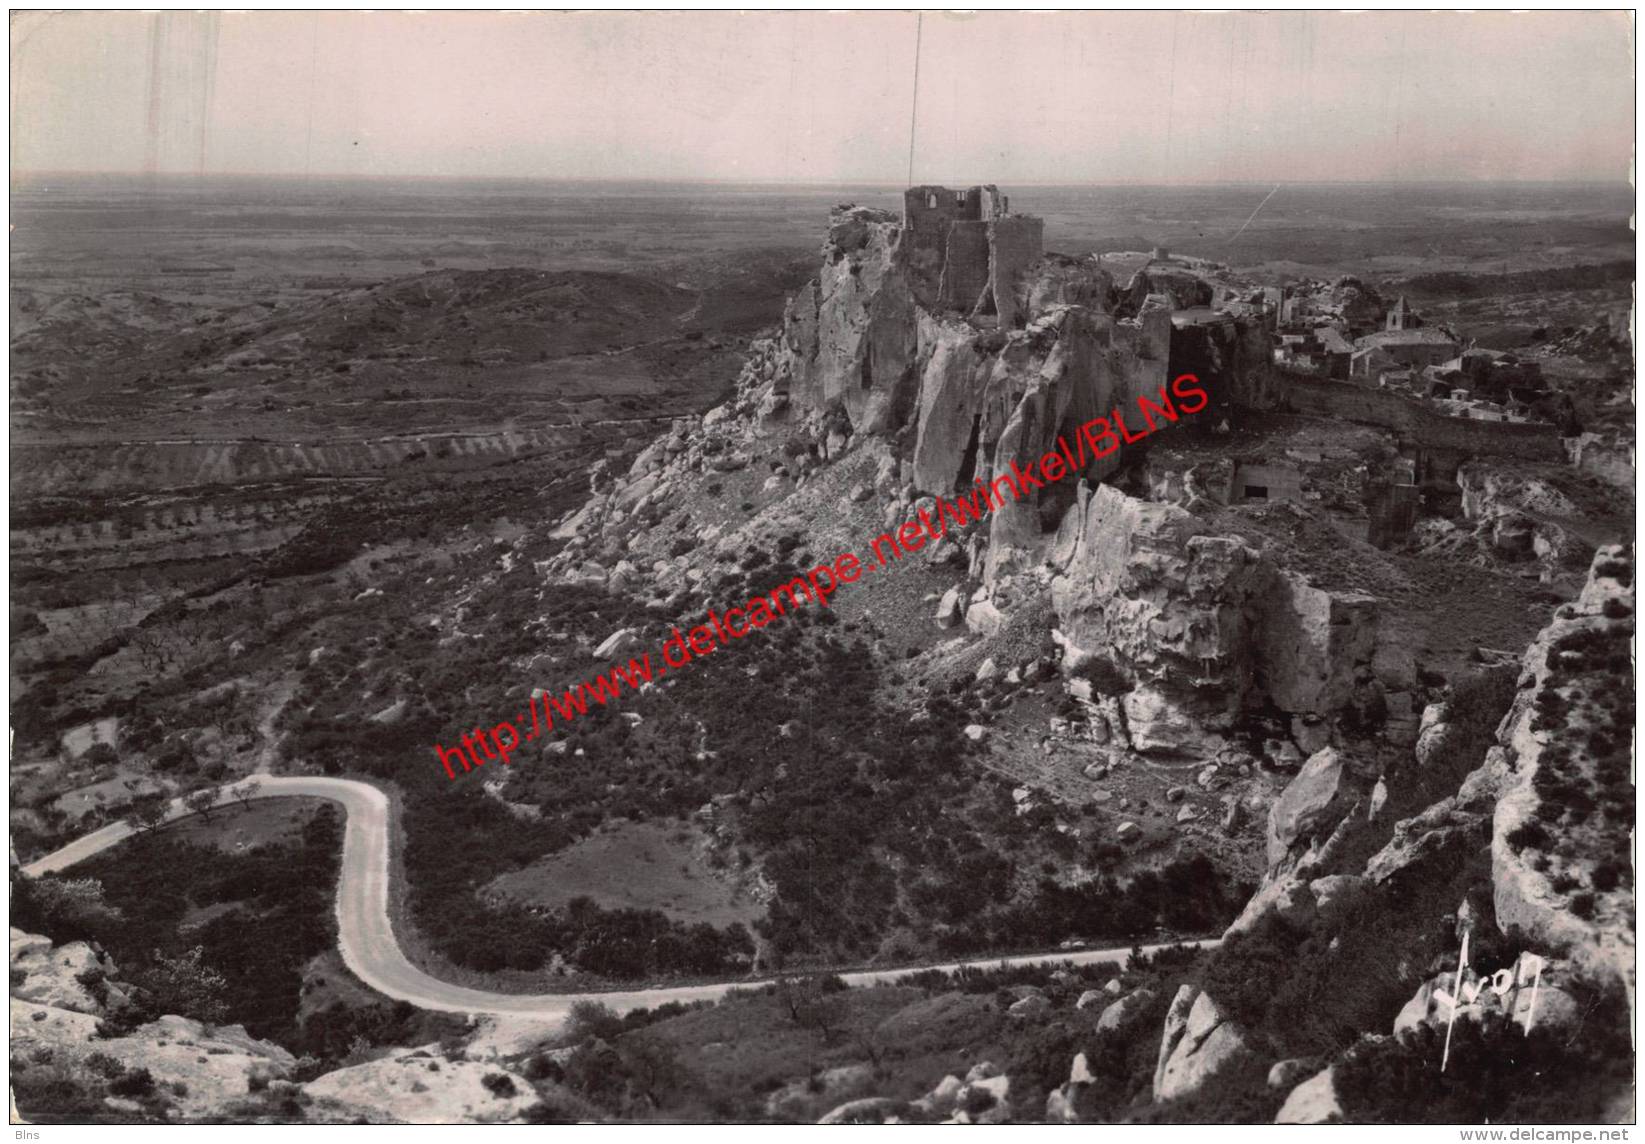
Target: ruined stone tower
[(967, 249)]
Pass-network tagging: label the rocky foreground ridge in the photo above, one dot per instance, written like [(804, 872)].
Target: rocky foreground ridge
[(1542, 961), (67, 1005)]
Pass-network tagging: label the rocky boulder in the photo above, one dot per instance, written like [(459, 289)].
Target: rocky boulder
[(1122, 1016), (1287, 1074), (1314, 1101), (1313, 644), (1062, 1104), (1198, 1042), (869, 1110), (619, 643), (1312, 803)]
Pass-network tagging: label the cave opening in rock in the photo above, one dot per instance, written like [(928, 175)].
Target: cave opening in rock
[(968, 460)]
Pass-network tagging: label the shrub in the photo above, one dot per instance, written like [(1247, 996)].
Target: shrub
[(499, 1084), (1104, 676), (543, 1067), (590, 1020), (1529, 836), (134, 1082), (104, 1065)]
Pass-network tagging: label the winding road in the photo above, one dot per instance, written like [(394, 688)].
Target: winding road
[(366, 936)]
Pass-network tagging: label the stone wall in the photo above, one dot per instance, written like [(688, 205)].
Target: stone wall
[(1275, 482), (1391, 510), (1420, 426), (965, 266), (1610, 461), (1014, 244)]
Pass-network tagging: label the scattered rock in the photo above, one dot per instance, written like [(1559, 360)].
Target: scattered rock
[(1028, 1007), (869, 1110), (1123, 1015), (618, 643), (984, 618), (1313, 1101), (1287, 1074)]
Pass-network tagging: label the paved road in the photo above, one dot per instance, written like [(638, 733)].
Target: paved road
[(372, 953)]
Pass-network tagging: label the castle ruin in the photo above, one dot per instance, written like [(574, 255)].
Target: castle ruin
[(968, 249)]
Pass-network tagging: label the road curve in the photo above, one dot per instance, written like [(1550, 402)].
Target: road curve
[(366, 936)]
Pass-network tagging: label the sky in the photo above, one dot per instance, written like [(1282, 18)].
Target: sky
[(825, 97)]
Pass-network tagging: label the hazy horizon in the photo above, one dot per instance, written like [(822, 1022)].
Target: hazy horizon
[(818, 98), (296, 178)]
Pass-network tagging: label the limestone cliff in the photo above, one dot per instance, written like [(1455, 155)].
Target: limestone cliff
[(850, 333), (1203, 625)]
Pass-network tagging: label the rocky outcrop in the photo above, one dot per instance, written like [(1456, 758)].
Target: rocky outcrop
[(954, 375), (1062, 1104), (851, 333), (63, 977), (985, 1098), (1150, 587), (422, 1087), (1609, 460), (1199, 1041), (1058, 280), (200, 1070), (1314, 645)]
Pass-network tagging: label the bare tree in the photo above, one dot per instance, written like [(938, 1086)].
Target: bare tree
[(245, 792), (810, 1005)]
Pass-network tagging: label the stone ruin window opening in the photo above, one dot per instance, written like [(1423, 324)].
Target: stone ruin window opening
[(1256, 492), (931, 200)]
